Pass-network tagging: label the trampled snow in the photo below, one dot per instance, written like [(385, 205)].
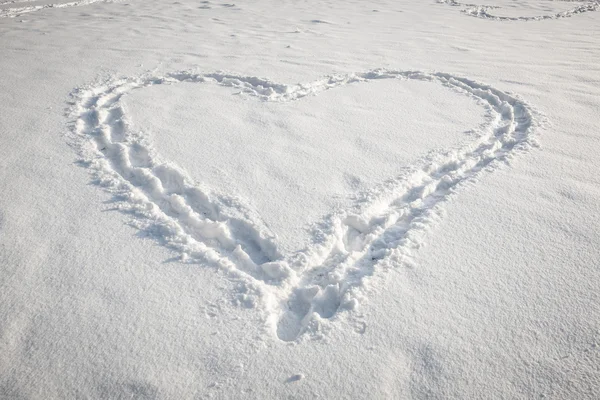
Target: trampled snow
[(391, 199)]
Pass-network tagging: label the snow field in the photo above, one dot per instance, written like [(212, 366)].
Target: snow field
[(487, 288), (18, 8)]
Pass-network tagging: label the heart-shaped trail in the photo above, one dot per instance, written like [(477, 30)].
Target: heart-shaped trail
[(218, 229), (483, 11)]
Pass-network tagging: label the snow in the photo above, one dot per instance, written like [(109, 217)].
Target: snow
[(526, 12), (304, 200)]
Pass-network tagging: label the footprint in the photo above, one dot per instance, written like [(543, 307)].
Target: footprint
[(483, 11), (219, 230)]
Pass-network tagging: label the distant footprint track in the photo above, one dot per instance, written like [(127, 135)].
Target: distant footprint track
[(483, 11), (218, 229), (19, 11)]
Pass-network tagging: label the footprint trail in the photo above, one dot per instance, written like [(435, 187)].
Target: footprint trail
[(18, 11), (483, 11), (205, 226)]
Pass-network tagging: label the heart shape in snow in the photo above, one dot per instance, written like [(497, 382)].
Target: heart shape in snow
[(482, 11), (212, 228)]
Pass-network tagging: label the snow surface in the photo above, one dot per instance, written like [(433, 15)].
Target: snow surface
[(268, 199)]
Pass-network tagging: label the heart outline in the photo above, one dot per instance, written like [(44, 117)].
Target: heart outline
[(217, 229)]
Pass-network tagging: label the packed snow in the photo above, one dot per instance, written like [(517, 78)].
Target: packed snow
[(269, 199)]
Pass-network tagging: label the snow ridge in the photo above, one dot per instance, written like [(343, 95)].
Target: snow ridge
[(205, 226), (482, 11)]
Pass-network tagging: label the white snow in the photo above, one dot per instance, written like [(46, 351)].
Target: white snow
[(269, 199)]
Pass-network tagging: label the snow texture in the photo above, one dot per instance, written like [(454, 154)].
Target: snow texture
[(283, 199), (482, 11)]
